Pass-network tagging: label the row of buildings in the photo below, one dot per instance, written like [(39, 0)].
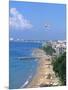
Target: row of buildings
[(58, 45)]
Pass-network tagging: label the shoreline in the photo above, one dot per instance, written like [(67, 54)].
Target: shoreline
[(44, 74)]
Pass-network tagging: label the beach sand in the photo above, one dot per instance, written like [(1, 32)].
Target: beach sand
[(45, 74)]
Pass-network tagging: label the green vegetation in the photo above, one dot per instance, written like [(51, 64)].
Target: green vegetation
[(59, 66), (59, 63), (49, 50), (46, 85)]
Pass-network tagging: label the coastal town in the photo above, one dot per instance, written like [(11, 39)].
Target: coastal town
[(58, 45), (37, 44), (45, 75)]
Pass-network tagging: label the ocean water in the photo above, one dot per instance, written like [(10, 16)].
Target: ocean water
[(21, 71)]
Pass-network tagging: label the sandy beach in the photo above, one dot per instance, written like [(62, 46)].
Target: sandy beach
[(45, 74)]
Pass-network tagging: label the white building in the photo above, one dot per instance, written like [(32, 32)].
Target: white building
[(60, 47)]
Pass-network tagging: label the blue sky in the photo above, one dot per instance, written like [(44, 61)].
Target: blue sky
[(37, 21)]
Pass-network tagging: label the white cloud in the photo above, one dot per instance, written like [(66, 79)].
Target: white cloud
[(18, 21)]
